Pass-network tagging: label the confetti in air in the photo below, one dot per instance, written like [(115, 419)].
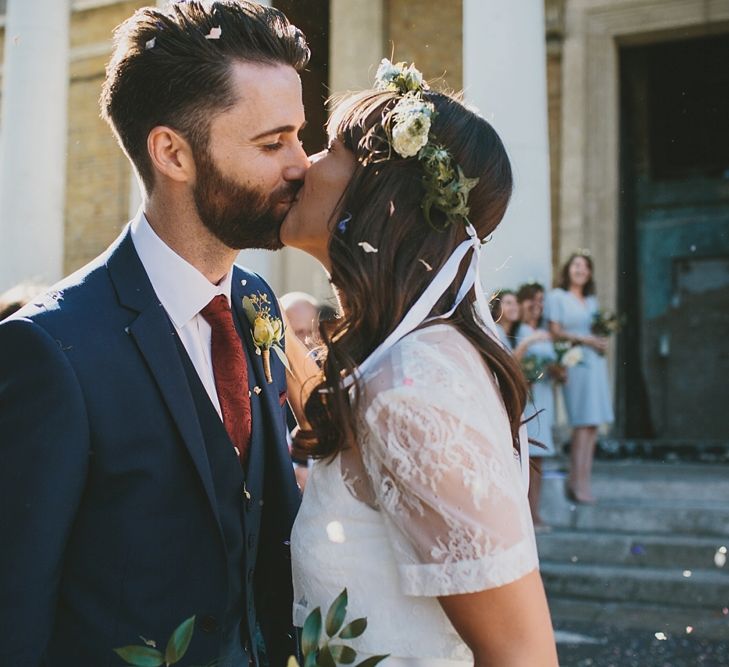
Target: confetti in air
[(687, 573), (256, 390), (335, 532), (661, 637), (150, 44), (689, 629), (427, 266), (720, 557), (367, 247), (214, 33), (392, 208)]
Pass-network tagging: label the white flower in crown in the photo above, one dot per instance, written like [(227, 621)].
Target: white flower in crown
[(411, 125), (386, 74)]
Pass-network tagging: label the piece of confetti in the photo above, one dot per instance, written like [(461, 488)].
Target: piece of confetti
[(660, 636), (256, 390), (367, 247), (720, 557), (214, 33), (392, 208), (150, 44), (427, 266), (687, 573), (342, 225), (149, 642), (689, 629)]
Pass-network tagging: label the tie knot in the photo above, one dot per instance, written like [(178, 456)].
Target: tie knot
[(218, 309)]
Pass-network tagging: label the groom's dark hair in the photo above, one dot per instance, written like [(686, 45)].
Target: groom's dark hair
[(172, 67)]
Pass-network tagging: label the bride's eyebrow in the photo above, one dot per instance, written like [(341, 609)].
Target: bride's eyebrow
[(281, 129)]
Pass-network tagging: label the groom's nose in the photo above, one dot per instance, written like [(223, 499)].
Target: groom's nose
[(296, 169)]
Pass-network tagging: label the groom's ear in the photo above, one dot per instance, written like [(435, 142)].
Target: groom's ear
[(171, 154)]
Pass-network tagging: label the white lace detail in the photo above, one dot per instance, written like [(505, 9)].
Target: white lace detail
[(452, 514)]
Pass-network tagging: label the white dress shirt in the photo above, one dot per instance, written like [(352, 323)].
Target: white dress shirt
[(183, 292)]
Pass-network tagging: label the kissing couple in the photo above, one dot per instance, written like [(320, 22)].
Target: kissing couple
[(148, 502)]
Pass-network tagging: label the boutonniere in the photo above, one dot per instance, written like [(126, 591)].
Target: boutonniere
[(268, 331)]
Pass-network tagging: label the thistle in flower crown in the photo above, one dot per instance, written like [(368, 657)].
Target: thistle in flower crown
[(268, 331), (407, 126)]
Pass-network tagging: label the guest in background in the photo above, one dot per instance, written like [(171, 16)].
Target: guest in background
[(505, 311), (535, 344), (18, 296), (302, 312), (570, 310)]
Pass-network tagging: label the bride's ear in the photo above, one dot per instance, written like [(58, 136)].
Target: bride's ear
[(171, 154)]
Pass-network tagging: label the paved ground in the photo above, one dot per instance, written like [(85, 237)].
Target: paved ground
[(588, 645)]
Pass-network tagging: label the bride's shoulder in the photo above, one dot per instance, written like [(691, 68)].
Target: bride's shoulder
[(437, 356)]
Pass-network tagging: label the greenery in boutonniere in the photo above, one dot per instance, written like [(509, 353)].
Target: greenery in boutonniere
[(329, 651), (268, 331)]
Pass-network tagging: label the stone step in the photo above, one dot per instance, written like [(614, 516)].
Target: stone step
[(703, 589), (672, 621), (638, 516), (661, 481), (677, 552)]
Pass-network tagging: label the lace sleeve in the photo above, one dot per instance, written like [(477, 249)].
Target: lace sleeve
[(440, 458)]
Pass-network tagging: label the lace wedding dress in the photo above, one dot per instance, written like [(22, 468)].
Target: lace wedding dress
[(435, 504)]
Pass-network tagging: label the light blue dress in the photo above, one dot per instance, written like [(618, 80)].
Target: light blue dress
[(587, 391), (539, 427)]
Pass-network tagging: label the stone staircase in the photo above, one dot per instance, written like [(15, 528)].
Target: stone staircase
[(653, 554)]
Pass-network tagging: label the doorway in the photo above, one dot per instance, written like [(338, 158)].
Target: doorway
[(674, 240)]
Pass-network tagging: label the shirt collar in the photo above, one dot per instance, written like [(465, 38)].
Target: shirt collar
[(182, 290)]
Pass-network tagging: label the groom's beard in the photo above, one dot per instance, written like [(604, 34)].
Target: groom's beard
[(238, 216)]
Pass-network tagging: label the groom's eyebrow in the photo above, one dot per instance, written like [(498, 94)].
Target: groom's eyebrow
[(282, 129)]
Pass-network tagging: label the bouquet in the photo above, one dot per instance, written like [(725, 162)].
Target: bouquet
[(605, 323), (534, 367)]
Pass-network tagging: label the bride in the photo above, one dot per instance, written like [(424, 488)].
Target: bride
[(417, 504)]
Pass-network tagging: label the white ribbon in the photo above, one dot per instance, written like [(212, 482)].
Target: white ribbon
[(425, 304)]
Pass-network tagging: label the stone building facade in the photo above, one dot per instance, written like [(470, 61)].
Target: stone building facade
[(591, 52)]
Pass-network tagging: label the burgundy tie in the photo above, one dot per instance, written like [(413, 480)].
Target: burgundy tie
[(231, 373)]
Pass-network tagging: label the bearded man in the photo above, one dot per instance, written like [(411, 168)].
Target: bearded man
[(145, 477)]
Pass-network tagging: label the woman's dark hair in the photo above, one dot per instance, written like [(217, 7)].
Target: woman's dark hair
[(172, 67), (564, 282), (377, 289)]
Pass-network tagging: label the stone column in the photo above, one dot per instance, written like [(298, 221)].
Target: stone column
[(504, 66), (33, 141)]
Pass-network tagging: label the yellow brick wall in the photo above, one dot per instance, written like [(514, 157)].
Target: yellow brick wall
[(97, 172), (430, 34)]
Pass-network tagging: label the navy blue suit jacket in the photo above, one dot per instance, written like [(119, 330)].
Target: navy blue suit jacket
[(109, 521)]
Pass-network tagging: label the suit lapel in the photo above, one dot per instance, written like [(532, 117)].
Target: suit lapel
[(153, 334), (258, 387)]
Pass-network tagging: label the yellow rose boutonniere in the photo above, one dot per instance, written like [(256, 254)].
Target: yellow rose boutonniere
[(268, 331)]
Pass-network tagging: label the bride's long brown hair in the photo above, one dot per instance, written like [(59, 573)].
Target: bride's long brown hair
[(378, 288)]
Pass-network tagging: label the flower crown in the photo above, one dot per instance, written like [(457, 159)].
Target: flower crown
[(407, 128)]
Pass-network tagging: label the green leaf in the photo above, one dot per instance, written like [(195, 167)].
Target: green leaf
[(336, 614), (179, 641), (310, 660), (325, 658), (374, 660), (311, 633), (354, 629), (344, 655), (140, 656), (249, 309)]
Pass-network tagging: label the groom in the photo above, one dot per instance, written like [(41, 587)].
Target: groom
[(144, 474)]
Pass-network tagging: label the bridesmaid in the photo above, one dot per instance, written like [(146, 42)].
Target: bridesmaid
[(570, 310), (532, 339), (505, 311)]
